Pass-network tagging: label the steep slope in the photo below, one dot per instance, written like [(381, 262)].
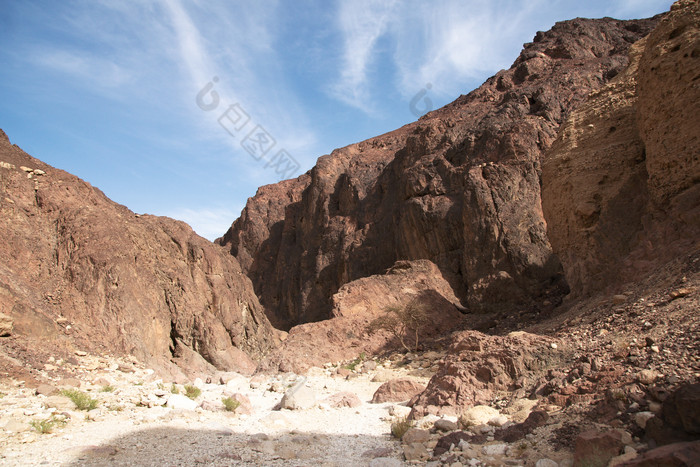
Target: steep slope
[(460, 187), (621, 191), (77, 269)]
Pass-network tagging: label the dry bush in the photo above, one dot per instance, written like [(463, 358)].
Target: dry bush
[(403, 322)]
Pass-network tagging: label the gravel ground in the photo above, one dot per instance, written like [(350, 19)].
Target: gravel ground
[(121, 431)]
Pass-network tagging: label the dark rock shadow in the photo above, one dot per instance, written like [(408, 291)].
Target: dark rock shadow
[(170, 446)]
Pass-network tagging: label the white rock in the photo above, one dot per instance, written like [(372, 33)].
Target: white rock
[(494, 449), (198, 383), (642, 418), (546, 463), (61, 403), (298, 397), (480, 414), (399, 410), (498, 420), (178, 401), (16, 426)]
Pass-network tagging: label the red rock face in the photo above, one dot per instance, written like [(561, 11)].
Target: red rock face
[(620, 184), (460, 187), (79, 269)]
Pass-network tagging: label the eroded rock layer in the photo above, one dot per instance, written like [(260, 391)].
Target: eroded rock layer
[(620, 185)]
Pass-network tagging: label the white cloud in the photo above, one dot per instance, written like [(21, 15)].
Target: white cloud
[(99, 72), (361, 23), (444, 43), (208, 223)]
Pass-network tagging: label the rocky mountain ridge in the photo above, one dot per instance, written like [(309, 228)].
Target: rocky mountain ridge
[(460, 187), (79, 269)]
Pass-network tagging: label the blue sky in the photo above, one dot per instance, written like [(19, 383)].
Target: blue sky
[(108, 90)]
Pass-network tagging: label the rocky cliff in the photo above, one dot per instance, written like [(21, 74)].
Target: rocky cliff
[(460, 187), (620, 185), (77, 269)]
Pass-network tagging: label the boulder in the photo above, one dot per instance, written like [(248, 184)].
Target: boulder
[(671, 455), (679, 419), (397, 390), (298, 397), (46, 390), (479, 415), (445, 425), (595, 449), (245, 407), (344, 399), (415, 452), (415, 435)]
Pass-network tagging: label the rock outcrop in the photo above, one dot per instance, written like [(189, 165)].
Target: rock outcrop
[(77, 269), (620, 185), (345, 336), (478, 366), (460, 187)]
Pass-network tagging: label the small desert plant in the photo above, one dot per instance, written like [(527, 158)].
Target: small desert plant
[(400, 426), (81, 400), (353, 364), (47, 425), (522, 447), (192, 392), (108, 388), (230, 404), (174, 389), (401, 321)]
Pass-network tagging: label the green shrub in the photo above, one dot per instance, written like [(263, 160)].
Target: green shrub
[(81, 400), (192, 392), (404, 322), (400, 426), (353, 364), (174, 389), (47, 425), (108, 388), (230, 404)]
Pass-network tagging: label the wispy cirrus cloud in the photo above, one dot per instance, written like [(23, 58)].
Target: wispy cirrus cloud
[(103, 73), (444, 42), (447, 43), (361, 24)]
